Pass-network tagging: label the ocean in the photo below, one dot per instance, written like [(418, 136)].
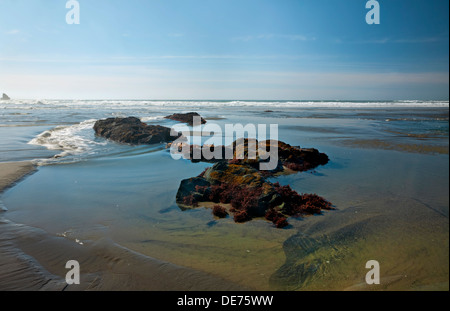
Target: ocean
[(388, 179)]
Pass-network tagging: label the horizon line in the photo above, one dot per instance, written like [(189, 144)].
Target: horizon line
[(229, 100)]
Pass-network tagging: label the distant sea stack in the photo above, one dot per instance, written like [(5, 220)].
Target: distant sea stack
[(5, 97)]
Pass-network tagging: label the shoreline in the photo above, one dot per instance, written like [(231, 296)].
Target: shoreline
[(26, 263), (13, 172)]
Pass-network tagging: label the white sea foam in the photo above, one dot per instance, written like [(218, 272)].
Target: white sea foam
[(170, 104), (155, 118), (73, 139)]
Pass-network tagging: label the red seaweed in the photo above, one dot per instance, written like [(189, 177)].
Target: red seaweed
[(220, 211), (271, 214), (281, 222), (242, 216), (190, 201)]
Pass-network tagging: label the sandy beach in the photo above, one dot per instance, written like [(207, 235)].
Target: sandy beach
[(12, 172), (31, 259)]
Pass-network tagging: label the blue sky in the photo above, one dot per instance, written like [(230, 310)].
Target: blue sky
[(225, 49)]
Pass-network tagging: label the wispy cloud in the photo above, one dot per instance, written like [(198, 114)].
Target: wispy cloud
[(12, 32), (144, 59), (243, 38), (378, 41), (403, 40), (296, 37), (291, 37), (421, 40), (175, 35)]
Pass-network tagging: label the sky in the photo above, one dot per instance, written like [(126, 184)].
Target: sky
[(225, 49)]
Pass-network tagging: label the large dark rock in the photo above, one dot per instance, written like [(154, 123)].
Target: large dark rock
[(186, 117), (289, 158), (249, 194), (132, 131), (188, 189), (5, 97)]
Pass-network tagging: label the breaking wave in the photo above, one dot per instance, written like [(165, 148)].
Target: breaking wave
[(73, 139)]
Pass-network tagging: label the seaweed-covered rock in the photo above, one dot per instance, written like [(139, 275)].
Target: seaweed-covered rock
[(248, 193), (289, 158), (300, 159), (186, 117), (132, 131), (234, 174), (188, 194)]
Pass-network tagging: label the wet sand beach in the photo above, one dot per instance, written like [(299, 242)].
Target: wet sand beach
[(327, 252), (31, 259), (112, 207)]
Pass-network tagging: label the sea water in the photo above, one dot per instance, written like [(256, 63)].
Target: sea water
[(387, 178)]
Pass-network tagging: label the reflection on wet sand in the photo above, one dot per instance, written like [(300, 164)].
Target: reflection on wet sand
[(392, 145)]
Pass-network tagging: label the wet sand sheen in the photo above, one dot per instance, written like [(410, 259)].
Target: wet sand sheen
[(34, 260), (414, 148), (31, 259), (404, 234), (321, 252)]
